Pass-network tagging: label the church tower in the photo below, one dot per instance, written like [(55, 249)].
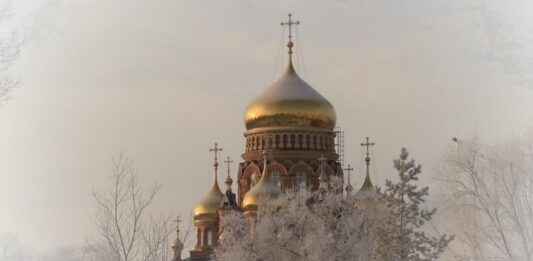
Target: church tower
[(295, 124), (289, 144)]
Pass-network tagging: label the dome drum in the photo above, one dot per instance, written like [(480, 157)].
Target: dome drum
[(290, 139)]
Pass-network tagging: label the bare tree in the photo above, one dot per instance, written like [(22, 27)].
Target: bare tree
[(10, 46), (125, 230), (490, 199)]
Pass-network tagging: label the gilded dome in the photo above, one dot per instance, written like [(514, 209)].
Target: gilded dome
[(206, 209), (290, 102), (265, 189)]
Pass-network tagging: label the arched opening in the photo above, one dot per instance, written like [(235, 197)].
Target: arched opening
[(210, 237), (276, 177), (300, 182), (293, 141)]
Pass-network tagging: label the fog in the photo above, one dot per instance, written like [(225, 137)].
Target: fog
[(163, 80)]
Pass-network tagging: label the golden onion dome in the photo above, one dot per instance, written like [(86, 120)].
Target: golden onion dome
[(206, 209), (265, 189), (290, 102)]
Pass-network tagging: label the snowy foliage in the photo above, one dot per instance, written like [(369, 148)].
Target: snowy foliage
[(297, 226), (302, 225), (400, 236)]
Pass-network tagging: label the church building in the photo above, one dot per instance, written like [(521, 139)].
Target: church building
[(290, 143)]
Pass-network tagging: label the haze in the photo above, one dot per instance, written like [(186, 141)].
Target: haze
[(162, 80)]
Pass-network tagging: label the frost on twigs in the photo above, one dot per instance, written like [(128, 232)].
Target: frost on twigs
[(303, 225)]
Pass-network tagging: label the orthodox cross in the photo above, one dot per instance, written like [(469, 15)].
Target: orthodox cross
[(228, 161), (367, 144), (289, 24), (216, 149), (348, 169), (177, 221)]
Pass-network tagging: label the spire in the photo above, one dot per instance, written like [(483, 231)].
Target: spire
[(177, 246), (367, 144), (349, 187), (229, 197), (290, 44), (228, 181), (208, 206)]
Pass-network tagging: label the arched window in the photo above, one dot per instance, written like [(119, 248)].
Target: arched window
[(209, 237), (301, 180), (293, 141), (276, 178)]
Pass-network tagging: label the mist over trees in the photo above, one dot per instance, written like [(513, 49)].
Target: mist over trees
[(490, 198), (10, 45)]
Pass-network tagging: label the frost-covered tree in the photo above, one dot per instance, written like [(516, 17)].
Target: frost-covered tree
[(490, 199), (299, 225), (401, 236), (302, 225)]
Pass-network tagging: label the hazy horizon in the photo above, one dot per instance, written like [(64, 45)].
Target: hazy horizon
[(163, 80)]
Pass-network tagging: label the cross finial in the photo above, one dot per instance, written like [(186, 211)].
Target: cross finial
[(348, 169), (367, 144), (289, 24), (216, 149), (178, 221), (228, 161)]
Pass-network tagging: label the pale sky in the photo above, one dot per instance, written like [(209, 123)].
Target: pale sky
[(162, 80)]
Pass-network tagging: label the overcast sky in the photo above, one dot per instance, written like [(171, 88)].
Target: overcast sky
[(162, 80)]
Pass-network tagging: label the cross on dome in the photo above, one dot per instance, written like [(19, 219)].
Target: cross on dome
[(289, 24), (216, 149)]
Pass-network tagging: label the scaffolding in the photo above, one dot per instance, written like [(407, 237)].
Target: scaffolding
[(339, 144)]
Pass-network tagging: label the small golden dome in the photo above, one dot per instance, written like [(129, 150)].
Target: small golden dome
[(290, 102), (265, 189), (206, 209)]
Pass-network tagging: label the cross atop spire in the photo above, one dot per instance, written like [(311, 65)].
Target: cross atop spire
[(228, 161), (177, 246), (216, 149), (367, 144), (177, 221), (349, 187), (348, 169), (289, 24), (228, 181)]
